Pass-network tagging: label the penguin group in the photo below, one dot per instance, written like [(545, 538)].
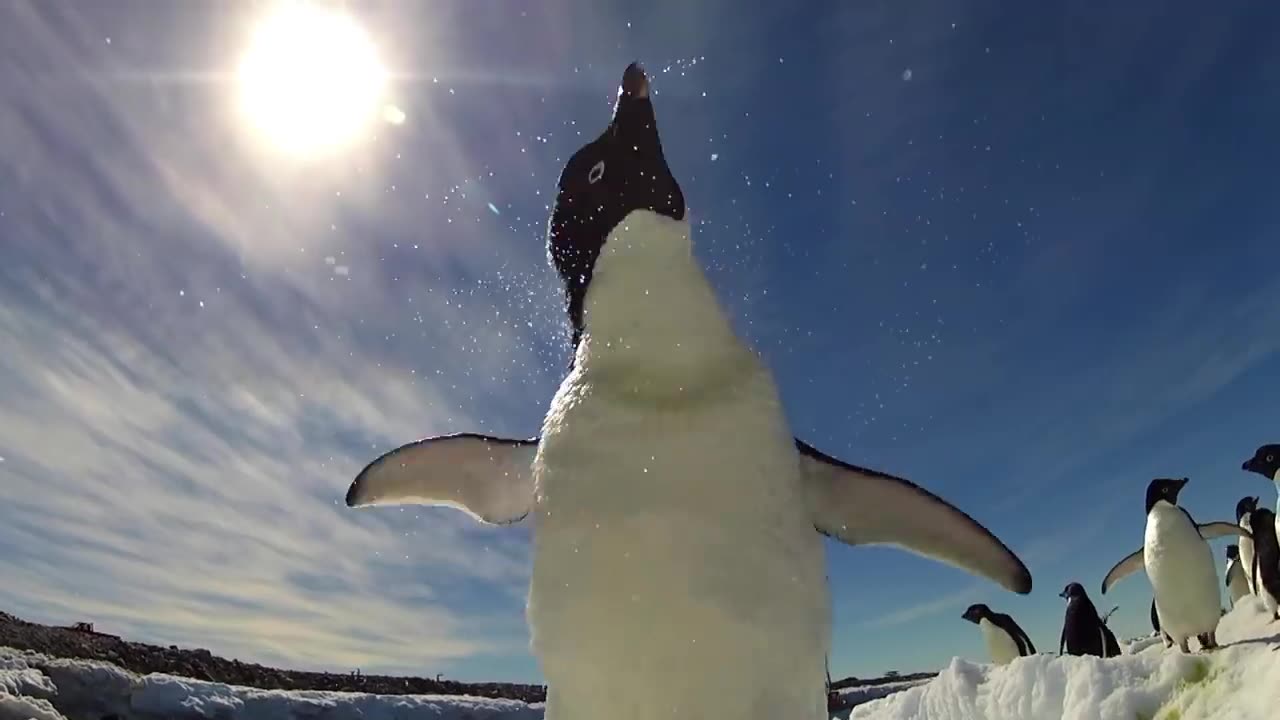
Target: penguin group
[(1178, 561), (679, 526)]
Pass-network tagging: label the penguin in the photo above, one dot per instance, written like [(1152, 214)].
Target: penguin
[(678, 525), (1265, 571), (1179, 564), (1243, 508), (1082, 630), (1005, 639), (1266, 462), (1236, 577)]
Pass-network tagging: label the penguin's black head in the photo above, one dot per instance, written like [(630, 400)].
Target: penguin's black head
[(975, 613), (1166, 489), (1233, 552), (1246, 506), (1072, 591), (1265, 462), (621, 171)]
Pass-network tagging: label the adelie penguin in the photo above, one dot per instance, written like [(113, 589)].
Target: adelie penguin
[(1243, 508), (1265, 570), (1236, 576), (1083, 631), (1179, 564), (678, 525), (1005, 639), (1266, 462)]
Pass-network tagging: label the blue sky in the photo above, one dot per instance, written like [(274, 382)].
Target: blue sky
[(1031, 273)]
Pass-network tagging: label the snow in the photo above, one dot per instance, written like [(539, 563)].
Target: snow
[(1239, 681), (32, 684)]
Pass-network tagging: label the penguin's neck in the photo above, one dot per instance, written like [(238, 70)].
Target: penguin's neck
[(651, 318)]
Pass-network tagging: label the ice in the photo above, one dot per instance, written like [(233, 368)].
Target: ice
[(1240, 681)]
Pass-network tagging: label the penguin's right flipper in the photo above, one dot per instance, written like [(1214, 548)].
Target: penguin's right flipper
[(858, 506), (1211, 530), (489, 478), (1123, 569)]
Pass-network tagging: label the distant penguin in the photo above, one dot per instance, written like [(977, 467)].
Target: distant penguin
[(1243, 508), (1266, 462), (1082, 630), (1004, 637), (678, 525), (1236, 577), (1179, 564), (1266, 558)]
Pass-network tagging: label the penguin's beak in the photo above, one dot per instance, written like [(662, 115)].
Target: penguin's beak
[(633, 110), (1250, 465), (1181, 483), (1063, 594), (634, 129)]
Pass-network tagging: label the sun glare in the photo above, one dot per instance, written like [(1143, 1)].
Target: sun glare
[(310, 81)]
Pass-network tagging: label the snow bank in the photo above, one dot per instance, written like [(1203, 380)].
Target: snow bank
[(31, 685), (1240, 681)]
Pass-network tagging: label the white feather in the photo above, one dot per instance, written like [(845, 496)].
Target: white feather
[(1237, 581), (1246, 553), (1002, 648), (672, 531), (1180, 567)]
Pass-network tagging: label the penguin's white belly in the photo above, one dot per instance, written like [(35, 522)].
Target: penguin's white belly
[(677, 573), (1180, 566), (1237, 585), (1246, 559), (1000, 646)]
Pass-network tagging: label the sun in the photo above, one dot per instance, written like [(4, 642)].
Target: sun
[(310, 81)]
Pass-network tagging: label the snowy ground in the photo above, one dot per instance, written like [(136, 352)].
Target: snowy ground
[(31, 685), (1241, 681)]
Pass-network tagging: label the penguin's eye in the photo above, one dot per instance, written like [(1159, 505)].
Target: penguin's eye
[(597, 172), (1271, 458)]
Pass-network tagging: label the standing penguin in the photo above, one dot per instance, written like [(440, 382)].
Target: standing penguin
[(1179, 564), (1243, 508), (1082, 630), (1005, 639), (1266, 462), (678, 524), (1266, 558), (1236, 577)]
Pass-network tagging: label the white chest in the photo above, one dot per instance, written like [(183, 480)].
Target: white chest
[(1237, 585), (1180, 566), (1000, 646), (671, 531)]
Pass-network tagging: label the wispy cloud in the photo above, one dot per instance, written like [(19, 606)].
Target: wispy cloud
[(189, 387)]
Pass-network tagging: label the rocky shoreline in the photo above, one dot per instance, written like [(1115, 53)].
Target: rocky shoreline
[(82, 642), (199, 664)]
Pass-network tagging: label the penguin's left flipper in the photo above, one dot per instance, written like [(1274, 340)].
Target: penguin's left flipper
[(858, 506), (1131, 564), (487, 477), (1211, 530)]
